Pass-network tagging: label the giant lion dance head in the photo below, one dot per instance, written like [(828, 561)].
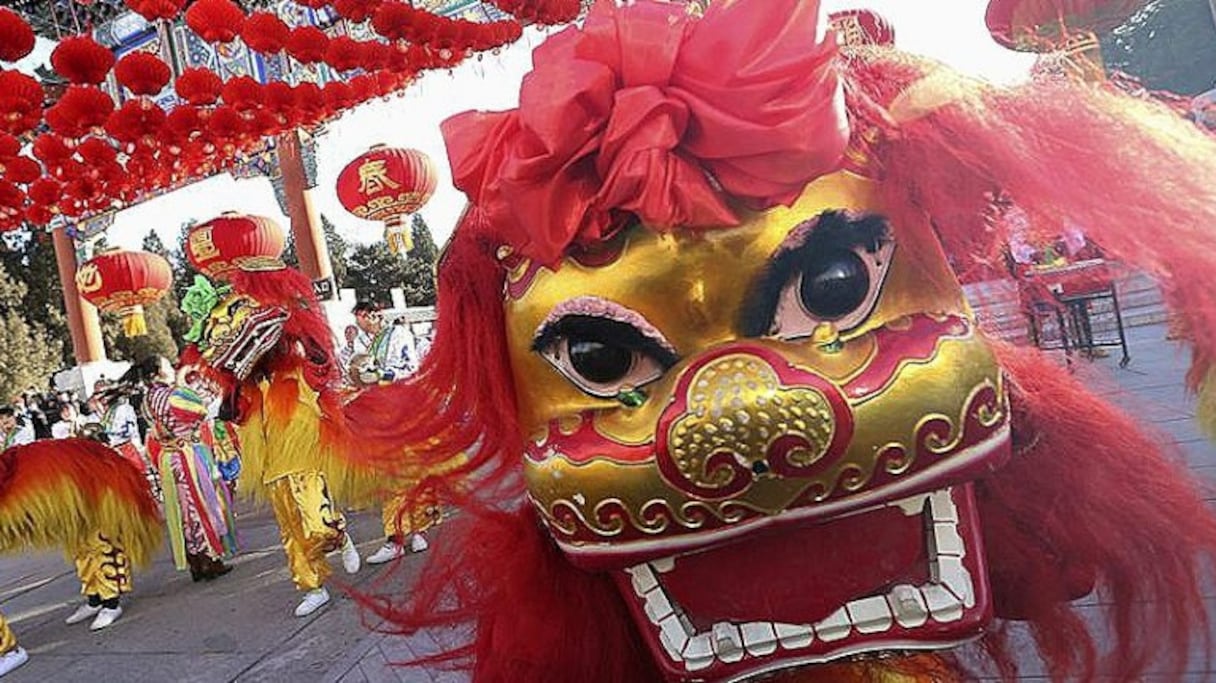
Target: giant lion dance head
[(730, 414)]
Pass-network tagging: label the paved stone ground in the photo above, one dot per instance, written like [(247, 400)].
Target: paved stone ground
[(240, 628)]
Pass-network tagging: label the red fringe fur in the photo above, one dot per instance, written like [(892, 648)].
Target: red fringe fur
[(61, 493)]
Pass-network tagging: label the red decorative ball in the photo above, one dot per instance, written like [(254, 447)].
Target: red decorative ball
[(307, 44), (80, 59), (264, 32), (16, 36), (142, 73), (198, 86), (215, 21), (153, 10)]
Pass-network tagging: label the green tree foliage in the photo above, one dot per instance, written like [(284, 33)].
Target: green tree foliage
[(373, 270), (29, 258), (29, 354), (1170, 45)]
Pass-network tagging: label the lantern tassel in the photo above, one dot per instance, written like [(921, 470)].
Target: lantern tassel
[(133, 322), (398, 236)]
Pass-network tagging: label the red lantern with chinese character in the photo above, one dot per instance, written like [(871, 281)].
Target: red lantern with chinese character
[(386, 184), (124, 282), (857, 27), (235, 240)]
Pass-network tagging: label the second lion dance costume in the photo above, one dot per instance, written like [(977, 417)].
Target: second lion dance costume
[(732, 416), (79, 496), (263, 340)]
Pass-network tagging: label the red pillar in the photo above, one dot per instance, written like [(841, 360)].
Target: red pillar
[(83, 324), (305, 225)]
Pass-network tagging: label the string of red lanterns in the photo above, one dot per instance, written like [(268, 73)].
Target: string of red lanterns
[(148, 149)]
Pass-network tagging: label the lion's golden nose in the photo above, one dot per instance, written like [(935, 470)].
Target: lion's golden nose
[(743, 414)]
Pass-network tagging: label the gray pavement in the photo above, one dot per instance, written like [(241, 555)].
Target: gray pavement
[(240, 628)]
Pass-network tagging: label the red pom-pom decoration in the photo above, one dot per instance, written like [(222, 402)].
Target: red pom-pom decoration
[(51, 150), (242, 93), (97, 152), (264, 32), (20, 102), (10, 146), (198, 86), (82, 60), (135, 120), (307, 44), (153, 10), (16, 36), (215, 21), (344, 53), (82, 108), (21, 170), (142, 73)]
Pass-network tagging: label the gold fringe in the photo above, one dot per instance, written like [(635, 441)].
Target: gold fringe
[(68, 506), (278, 440), (1205, 408)]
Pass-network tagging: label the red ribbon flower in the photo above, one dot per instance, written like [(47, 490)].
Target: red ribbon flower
[(653, 112)]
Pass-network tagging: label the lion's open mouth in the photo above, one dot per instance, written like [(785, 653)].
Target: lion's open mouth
[(906, 575)]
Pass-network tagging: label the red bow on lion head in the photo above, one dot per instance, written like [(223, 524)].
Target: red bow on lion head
[(653, 112)]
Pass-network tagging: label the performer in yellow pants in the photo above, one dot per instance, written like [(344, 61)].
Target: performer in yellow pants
[(401, 523), (310, 526), (104, 571), (12, 655)]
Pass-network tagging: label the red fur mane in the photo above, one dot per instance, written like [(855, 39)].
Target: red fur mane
[(1090, 496)]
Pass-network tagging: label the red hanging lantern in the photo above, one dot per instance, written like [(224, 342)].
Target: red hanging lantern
[(20, 102), (198, 86), (124, 282), (80, 109), (16, 36), (142, 73), (82, 60), (264, 32), (232, 241), (152, 10), (386, 184), (307, 44), (858, 27), (215, 21), (344, 53), (21, 170)]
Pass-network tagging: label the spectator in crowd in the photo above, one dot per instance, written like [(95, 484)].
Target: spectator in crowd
[(13, 431), (69, 423)]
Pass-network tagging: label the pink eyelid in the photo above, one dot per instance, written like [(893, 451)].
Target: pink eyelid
[(602, 308)]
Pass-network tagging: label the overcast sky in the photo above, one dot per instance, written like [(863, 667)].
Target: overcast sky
[(950, 30)]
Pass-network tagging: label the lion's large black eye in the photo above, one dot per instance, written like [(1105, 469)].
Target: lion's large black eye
[(599, 362), (834, 284)]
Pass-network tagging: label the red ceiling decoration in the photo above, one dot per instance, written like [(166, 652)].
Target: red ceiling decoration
[(87, 153)]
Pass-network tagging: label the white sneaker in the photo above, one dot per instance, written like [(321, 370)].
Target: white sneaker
[(106, 617), (313, 600), (418, 543), (350, 556), (387, 553), (85, 611), (13, 659)]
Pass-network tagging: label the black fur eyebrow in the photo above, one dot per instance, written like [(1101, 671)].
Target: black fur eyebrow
[(605, 330), (830, 230)]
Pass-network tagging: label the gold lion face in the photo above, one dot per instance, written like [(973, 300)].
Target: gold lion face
[(238, 332), (809, 380)]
